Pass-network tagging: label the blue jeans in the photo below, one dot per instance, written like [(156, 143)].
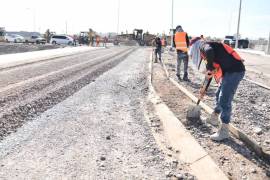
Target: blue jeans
[(182, 57), (225, 93), (157, 54)]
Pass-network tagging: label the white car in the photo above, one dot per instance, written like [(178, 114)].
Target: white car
[(61, 39), (14, 38), (35, 39)]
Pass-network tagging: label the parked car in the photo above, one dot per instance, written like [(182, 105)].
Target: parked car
[(14, 38), (35, 39), (228, 40), (242, 43), (61, 39)]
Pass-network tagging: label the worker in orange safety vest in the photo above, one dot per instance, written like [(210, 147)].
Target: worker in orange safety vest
[(181, 43), (225, 65)]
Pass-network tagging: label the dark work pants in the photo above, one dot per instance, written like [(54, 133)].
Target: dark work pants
[(182, 57), (157, 54)]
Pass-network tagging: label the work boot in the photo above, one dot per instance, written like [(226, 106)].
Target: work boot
[(221, 134), (213, 119), (178, 77), (185, 78)]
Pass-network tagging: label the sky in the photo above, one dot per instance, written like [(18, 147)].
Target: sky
[(215, 18)]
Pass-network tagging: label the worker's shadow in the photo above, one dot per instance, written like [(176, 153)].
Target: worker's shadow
[(242, 149), (194, 85), (170, 65), (236, 145)]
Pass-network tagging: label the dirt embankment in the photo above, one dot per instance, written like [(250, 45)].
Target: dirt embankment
[(11, 48)]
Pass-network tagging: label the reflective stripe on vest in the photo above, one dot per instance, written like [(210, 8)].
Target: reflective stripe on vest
[(218, 71), (180, 41), (232, 52)]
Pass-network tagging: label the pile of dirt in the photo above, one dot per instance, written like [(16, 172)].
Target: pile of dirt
[(11, 48)]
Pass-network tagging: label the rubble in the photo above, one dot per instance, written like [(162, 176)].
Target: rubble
[(231, 154), (10, 48)]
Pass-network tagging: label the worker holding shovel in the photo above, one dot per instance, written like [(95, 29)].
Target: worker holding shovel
[(227, 68)]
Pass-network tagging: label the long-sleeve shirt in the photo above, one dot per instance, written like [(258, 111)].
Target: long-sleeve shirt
[(214, 52), (195, 53)]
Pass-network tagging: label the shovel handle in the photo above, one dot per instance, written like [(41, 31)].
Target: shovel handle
[(205, 89)]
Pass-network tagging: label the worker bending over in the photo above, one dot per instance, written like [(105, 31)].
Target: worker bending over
[(227, 67), (181, 43)]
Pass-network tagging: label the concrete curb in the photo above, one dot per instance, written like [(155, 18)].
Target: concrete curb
[(250, 143), (201, 164)]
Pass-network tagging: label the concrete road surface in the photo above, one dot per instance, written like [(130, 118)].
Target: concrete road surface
[(257, 63)]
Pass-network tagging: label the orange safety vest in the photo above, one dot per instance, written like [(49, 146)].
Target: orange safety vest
[(180, 41), (218, 71)]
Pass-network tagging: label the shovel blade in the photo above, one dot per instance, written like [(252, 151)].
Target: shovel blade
[(194, 113)]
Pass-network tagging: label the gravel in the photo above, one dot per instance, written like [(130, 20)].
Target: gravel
[(251, 104), (234, 158), (70, 140), (11, 48), (21, 103)]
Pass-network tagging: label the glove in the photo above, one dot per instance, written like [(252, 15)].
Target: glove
[(209, 74)]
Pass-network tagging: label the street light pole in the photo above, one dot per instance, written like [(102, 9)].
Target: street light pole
[(172, 27), (66, 28), (34, 18), (268, 46), (118, 15), (238, 25)]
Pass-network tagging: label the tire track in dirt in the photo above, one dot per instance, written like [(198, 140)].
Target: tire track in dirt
[(37, 97)]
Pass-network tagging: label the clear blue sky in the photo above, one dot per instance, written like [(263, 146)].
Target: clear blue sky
[(219, 17), (209, 17)]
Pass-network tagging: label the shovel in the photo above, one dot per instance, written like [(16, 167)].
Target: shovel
[(194, 112)]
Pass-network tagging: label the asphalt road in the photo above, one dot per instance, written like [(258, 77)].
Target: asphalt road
[(79, 117), (257, 63)]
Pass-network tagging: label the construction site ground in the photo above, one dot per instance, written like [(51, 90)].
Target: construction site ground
[(251, 114), (81, 117), (87, 115)]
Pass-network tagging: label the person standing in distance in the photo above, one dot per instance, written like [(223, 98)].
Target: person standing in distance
[(181, 43)]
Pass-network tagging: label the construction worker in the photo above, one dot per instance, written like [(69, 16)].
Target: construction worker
[(157, 44), (228, 69), (105, 39), (91, 36), (97, 40), (181, 43)]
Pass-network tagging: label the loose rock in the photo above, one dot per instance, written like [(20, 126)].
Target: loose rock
[(257, 130)]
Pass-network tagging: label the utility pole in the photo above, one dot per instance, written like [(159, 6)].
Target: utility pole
[(172, 27), (66, 28), (238, 25), (118, 15), (268, 46), (33, 11)]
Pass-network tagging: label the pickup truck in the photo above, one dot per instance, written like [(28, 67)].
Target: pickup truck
[(35, 39)]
